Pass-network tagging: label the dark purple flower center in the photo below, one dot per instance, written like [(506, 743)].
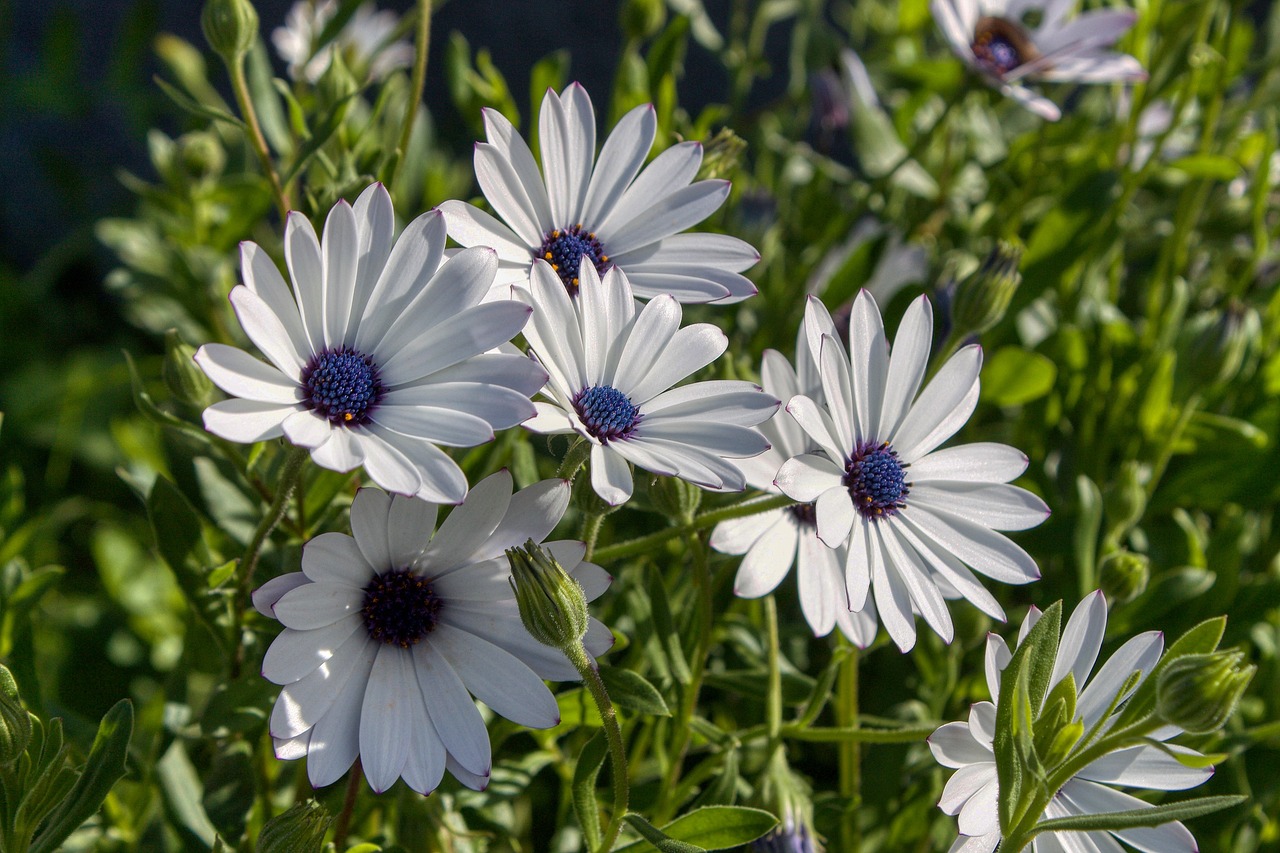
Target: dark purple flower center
[(342, 385), (399, 608), (1001, 46), (606, 412), (804, 515), (876, 480), (565, 248)]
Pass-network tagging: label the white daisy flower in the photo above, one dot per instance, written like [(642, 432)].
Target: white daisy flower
[(377, 356), (387, 636), (915, 519), (365, 40), (610, 369), (773, 541), (973, 792), (609, 211), (991, 36)]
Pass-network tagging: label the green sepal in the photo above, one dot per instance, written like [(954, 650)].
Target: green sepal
[(1201, 639)]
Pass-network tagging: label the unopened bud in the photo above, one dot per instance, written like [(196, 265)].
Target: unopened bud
[(230, 26), (299, 830), (675, 498), (786, 794), (721, 155), (983, 298), (182, 376), (337, 84), (1198, 693), (643, 18), (201, 154), (1126, 499), (552, 604), (1214, 343), (1124, 575), (15, 722)]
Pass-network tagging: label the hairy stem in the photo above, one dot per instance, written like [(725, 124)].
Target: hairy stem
[(643, 544), (613, 734), (343, 825), (418, 84), (257, 141)]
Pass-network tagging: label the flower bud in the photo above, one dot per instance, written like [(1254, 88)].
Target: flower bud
[(1126, 499), (299, 830), (1198, 693), (230, 26), (182, 376), (674, 497), (337, 84), (721, 154), (15, 722), (552, 604), (983, 298), (1124, 575), (201, 154), (1214, 343), (643, 18), (786, 794)]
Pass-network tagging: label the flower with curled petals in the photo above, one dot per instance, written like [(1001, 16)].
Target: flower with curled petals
[(972, 792), (611, 369), (915, 519), (772, 542), (388, 634), (611, 211), (994, 38), (379, 353)]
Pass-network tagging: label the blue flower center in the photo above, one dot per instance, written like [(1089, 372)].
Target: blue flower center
[(804, 515), (342, 385), (606, 412), (1001, 46), (399, 608), (565, 248), (876, 480)]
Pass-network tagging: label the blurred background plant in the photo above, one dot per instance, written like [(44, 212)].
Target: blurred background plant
[(1136, 363)]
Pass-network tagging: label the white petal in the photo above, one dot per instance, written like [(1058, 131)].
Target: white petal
[(294, 654), (341, 247), (768, 559), (610, 476), (238, 373), (669, 172), (1091, 798), (944, 12), (306, 269), (385, 721), (1102, 67), (979, 815), (474, 781), (983, 550), (666, 215), (388, 466), (996, 505), (425, 756), (857, 566), (268, 331), (262, 276), (1138, 654), (335, 739), (437, 425), (869, 364), (687, 251), (722, 439), (980, 462), (1097, 28), (456, 718), (892, 597), (1081, 640), (654, 329), (1038, 104), (375, 226), (549, 419), (461, 283), (307, 429), (819, 427), (835, 513), (469, 525), (805, 477), (532, 513), (837, 386), (497, 678), (996, 659), (822, 595), (567, 136), (502, 184), (907, 365), (472, 332), (964, 783), (341, 452), (412, 263), (335, 558), (369, 513), (247, 421), (942, 408), (303, 703), (718, 401), (1147, 767), (500, 624), (685, 289), (914, 574), (953, 745), (620, 159), (471, 226), (410, 522), (737, 535), (270, 592), (316, 605), (952, 571)]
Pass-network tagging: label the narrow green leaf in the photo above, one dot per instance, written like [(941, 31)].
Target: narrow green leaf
[(657, 838), (585, 774), (105, 765), (1212, 166), (179, 536), (1085, 537), (629, 689), (189, 104), (713, 828), (665, 628), (1134, 818), (183, 792)]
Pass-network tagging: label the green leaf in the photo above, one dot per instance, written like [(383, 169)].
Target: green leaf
[(105, 765), (1133, 818), (1085, 537), (179, 536), (630, 690), (711, 828), (657, 838), (584, 787), (664, 628), (1015, 377), (189, 104), (183, 792), (1157, 408), (1214, 167)]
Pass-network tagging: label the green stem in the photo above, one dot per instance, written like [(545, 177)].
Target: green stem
[(1174, 436), (257, 141), (577, 454), (613, 734), (343, 825), (418, 84), (850, 759), (290, 476), (773, 705), (591, 532), (643, 544)]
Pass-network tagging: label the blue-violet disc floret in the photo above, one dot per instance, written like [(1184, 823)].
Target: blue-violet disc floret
[(342, 385), (399, 608), (606, 412), (1001, 46), (876, 480), (564, 249)]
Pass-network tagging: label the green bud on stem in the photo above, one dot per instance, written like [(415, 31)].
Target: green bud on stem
[(15, 722), (1124, 575), (301, 829), (552, 604), (983, 298), (1198, 693), (230, 26), (182, 376)]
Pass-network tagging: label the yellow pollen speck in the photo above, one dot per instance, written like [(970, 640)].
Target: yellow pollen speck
[(575, 282), (556, 267), (591, 234), (348, 416), (547, 256), (604, 259), (555, 234)]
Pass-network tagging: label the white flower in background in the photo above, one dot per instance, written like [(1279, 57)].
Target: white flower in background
[(914, 519), (378, 355), (994, 38), (773, 541), (365, 40), (900, 263), (611, 368), (609, 211), (973, 792), (388, 633)]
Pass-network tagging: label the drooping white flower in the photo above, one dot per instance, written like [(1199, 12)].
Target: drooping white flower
[(915, 519), (365, 40), (611, 369), (992, 37), (773, 541), (973, 791), (378, 355), (613, 211), (388, 633)]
